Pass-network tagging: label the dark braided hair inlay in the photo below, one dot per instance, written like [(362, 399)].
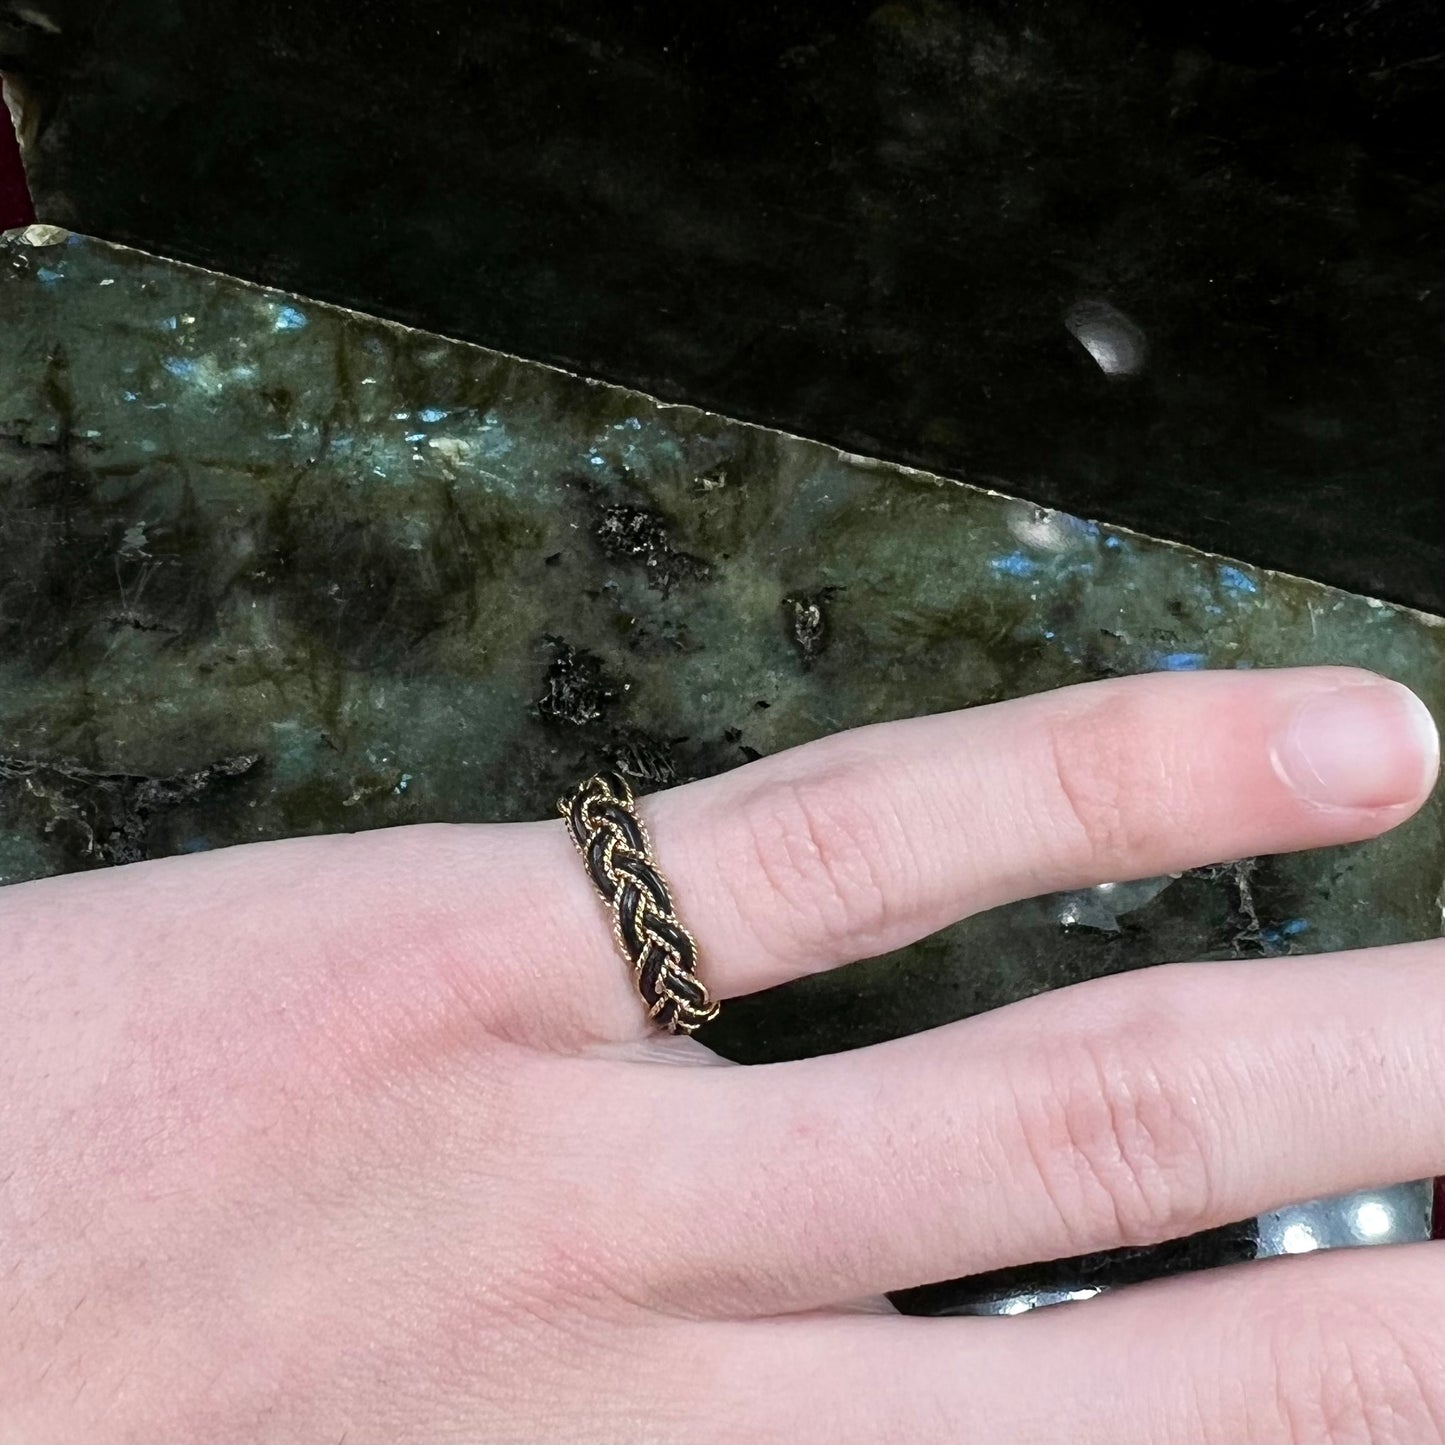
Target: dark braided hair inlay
[(602, 821)]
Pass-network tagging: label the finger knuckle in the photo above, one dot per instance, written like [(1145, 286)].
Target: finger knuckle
[(1118, 1135), (821, 851), (1341, 1369), (1109, 782)]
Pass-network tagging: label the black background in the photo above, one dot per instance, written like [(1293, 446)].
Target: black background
[(863, 223)]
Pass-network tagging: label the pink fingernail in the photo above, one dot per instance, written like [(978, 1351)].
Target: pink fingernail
[(1372, 745)]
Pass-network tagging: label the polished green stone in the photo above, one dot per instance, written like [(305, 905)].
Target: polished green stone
[(274, 568)]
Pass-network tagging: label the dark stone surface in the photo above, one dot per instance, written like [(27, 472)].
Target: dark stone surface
[(15, 206), (271, 568), (1083, 1274), (920, 229)]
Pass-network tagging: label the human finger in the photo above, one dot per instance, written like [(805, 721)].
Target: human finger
[(868, 840), (1124, 1111), (1346, 1345)]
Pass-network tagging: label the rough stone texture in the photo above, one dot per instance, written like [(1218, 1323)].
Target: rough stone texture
[(1176, 265), (273, 568)]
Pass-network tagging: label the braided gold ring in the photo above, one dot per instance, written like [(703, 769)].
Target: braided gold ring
[(602, 821)]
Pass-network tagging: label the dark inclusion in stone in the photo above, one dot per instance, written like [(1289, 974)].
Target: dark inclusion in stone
[(807, 622), (578, 690), (241, 526), (112, 817), (628, 531)]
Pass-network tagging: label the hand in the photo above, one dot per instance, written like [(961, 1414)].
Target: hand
[(365, 1137)]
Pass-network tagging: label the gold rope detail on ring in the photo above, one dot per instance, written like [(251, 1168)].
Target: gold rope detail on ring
[(602, 821)]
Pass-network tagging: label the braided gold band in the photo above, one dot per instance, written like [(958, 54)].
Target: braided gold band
[(602, 820)]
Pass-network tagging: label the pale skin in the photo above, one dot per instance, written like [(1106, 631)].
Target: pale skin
[(366, 1137)]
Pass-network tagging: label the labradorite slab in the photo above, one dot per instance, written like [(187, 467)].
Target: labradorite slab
[(1174, 265), (276, 568)]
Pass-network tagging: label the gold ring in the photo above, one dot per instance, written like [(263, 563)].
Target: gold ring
[(602, 821)]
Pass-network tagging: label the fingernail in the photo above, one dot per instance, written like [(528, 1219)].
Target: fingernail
[(1372, 745)]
